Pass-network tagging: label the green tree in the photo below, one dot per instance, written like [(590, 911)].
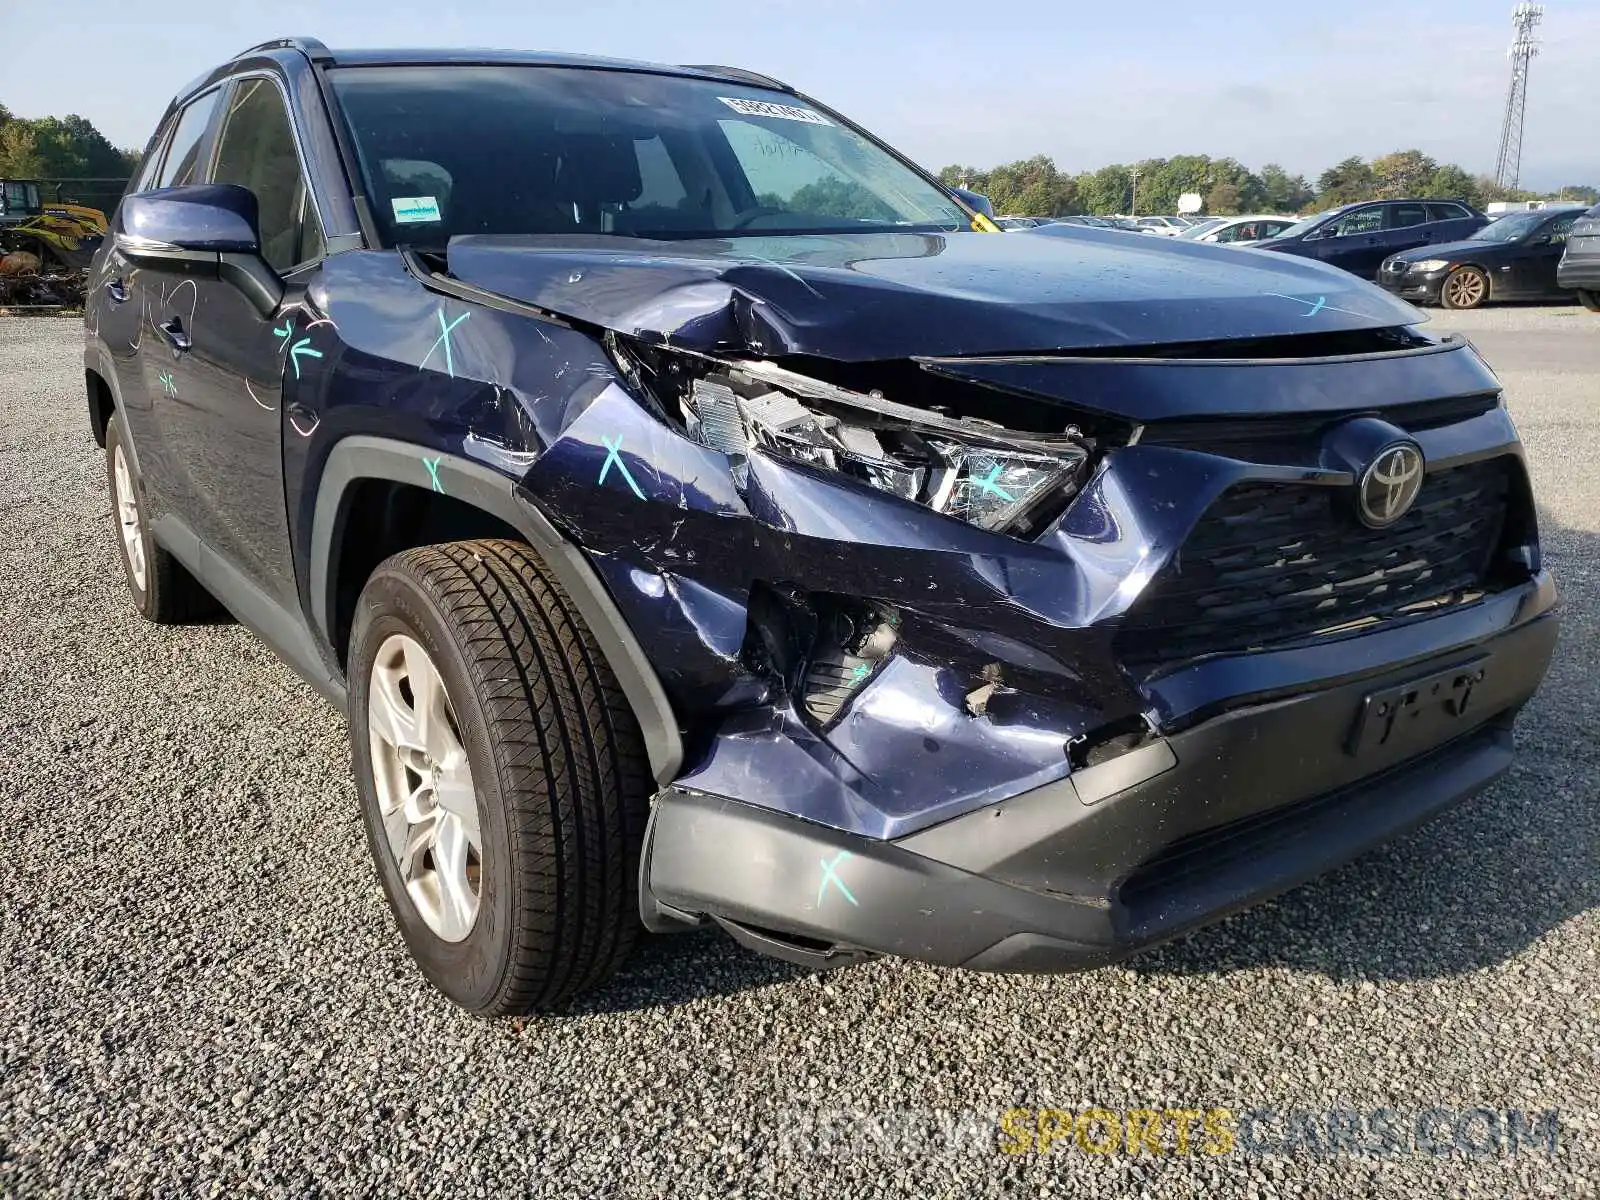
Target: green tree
[(58, 147), (1402, 173), (1222, 200), (1584, 193), (1345, 183), (1283, 192), (1450, 182)]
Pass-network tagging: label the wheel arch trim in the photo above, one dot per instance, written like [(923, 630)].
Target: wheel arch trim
[(364, 457)]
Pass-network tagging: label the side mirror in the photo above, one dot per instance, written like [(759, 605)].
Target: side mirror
[(210, 224), (193, 223)]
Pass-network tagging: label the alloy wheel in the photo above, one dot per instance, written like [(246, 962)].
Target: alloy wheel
[(1465, 289), (424, 784), (128, 517)]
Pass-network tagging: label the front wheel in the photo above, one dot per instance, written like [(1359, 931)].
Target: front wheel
[(1466, 287), (502, 775)]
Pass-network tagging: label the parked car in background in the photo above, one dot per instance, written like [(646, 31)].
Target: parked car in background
[(1171, 226), (1514, 258), (1579, 269), (1199, 227), (1240, 231), (1358, 237)]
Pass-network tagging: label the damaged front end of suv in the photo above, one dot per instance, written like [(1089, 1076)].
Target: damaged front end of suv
[(1011, 602), (1022, 660)]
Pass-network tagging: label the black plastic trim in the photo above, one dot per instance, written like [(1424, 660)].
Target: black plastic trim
[(283, 630), (365, 457)]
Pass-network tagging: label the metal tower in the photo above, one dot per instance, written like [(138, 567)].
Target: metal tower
[(1525, 19)]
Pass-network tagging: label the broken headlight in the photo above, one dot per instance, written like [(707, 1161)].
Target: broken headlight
[(965, 469)]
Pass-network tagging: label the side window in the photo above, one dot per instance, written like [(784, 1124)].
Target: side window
[(146, 178), (662, 186), (1404, 216), (256, 150), (1560, 227), (1363, 220), (1446, 212), (182, 164)]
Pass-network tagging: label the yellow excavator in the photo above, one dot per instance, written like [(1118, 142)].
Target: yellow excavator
[(62, 236)]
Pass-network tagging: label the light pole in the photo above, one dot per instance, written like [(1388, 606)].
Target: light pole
[(1134, 175)]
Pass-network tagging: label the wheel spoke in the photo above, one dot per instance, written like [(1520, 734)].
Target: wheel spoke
[(428, 702), (391, 717), (456, 796), (420, 839), (457, 899)]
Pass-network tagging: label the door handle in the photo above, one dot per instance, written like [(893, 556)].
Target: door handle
[(117, 290), (176, 338)]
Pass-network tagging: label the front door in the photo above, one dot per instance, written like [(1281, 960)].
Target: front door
[(1355, 241), (228, 420), (1533, 269)]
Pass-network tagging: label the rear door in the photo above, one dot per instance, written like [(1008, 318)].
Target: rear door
[(229, 428), (150, 397), (1452, 221), (1406, 227)]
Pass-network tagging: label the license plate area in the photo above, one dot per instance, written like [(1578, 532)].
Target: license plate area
[(1419, 712)]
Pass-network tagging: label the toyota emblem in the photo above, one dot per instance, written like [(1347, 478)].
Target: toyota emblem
[(1389, 485)]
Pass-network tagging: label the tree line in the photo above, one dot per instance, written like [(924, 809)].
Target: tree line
[(59, 148), (1036, 187)]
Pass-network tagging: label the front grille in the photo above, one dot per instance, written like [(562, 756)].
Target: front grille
[(1271, 563)]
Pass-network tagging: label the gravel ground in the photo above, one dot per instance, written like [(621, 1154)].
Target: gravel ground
[(203, 992)]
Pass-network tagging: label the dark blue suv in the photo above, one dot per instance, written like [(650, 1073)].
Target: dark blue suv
[(1358, 237), (703, 518)]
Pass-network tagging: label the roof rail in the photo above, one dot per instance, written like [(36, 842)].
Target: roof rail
[(740, 74), (309, 46)]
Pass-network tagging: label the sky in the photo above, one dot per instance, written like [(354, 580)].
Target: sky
[(945, 81)]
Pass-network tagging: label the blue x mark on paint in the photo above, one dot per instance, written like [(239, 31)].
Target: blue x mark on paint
[(433, 471), (988, 484), (444, 340), (613, 455), (285, 333), (299, 349), (167, 385), (1322, 303), (830, 875)]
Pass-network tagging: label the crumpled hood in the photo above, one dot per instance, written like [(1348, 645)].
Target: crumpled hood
[(860, 297)]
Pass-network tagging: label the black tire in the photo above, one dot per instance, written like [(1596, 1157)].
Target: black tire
[(168, 594), (558, 766), (1590, 300), (1465, 287)]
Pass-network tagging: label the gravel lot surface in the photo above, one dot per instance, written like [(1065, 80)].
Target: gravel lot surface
[(201, 990)]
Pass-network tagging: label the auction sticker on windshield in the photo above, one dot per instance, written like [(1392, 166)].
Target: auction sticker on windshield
[(765, 108), (409, 210)]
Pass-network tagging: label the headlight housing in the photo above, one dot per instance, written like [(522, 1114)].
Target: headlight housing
[(966, 469), (1428, 265)]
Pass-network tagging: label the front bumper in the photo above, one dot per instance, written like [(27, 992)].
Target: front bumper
[(1419, 289), (1086, 870)]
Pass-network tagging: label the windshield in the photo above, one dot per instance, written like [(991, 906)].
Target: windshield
[(455, 150), (1509, 229), (1307, 224)]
